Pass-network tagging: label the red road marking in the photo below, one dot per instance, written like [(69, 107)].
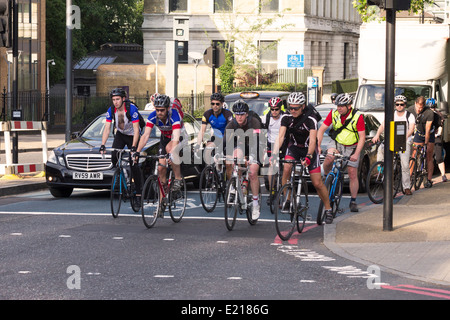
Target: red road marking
[(294, 239), (437, 293)]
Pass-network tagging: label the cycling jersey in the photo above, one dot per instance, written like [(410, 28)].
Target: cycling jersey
[(173, 121), (218, 123), (252, 129), (128, 125), (297, 129)]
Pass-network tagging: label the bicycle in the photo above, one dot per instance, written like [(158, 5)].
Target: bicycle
[(375, 180), (212, 184), (156, 196), (274, 186), (334, 182), (291, 206), (235, 197), (122, 183), (418, 163)]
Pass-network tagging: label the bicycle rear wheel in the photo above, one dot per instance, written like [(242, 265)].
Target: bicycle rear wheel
[(375, 182), (231, 203), (150, 201), (209, 188), (397, 183), (285, 212), (117, 187), (177, 201)]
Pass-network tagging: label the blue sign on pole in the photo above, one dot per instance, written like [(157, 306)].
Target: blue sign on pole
[(295, 61)]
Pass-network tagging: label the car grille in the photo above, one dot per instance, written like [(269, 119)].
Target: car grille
[(89, 162)]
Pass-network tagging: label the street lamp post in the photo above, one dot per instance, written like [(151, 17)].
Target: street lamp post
[(47, 113)]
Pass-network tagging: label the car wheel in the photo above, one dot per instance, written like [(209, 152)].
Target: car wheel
[(60, 192)]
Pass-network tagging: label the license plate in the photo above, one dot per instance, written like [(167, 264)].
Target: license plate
[(88, 175)]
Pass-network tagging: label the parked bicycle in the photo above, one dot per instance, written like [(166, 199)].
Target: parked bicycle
[(212, 184), (238, 195), (123, 183), (157, 196), (375, 180), (334, 183), (291, 204)]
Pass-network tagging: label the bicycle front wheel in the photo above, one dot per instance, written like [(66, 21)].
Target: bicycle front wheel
[(274, 186), (301, 205), (150, 201), (177, 201), (117, 187), (209, 188), (285, 212), (418, 172), (231, 203), (375, 182), (135, 205), (321, 212)]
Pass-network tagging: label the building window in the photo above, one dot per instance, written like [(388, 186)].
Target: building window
[(223, 5), (183, 52), (178, 5), (269, 5), (268, 52)]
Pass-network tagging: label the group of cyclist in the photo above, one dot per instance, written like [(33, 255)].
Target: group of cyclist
[(294, 135)]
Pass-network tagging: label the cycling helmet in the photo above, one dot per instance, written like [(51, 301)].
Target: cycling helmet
[(333, 97), (296, 98), (343, 99), (118, 92), (240, 107), (431, 103), (401, 98), (217, 96), (162, 101), (276, 102)]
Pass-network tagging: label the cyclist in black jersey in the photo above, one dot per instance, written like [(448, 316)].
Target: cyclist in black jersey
[(218, 118), (301, 131), (244, 139)]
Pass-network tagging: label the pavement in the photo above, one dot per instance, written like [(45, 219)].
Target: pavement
[(418, 247)]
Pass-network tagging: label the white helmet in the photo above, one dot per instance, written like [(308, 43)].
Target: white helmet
[(400, 98), (343, 99), (296, 98)]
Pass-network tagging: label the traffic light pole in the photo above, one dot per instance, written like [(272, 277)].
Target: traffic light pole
[(15, 101), (68, 70), (388, 117)]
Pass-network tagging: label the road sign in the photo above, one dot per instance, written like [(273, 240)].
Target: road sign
[(295, 61), (219, 59), (313, 82)]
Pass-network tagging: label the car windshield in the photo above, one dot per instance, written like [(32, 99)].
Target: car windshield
[(371, 97), (95, 130), (257, 105)]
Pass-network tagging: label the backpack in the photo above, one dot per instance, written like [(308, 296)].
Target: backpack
[(438, 120), (310, 110), (141, 118), (253, 114)]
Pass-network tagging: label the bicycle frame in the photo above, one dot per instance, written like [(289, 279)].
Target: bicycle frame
[(239, 179)]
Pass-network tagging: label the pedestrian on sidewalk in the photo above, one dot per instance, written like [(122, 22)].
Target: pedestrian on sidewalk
[(431, 103)]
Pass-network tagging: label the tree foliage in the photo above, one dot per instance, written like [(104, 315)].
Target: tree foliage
[(102, 21), (370, 13)]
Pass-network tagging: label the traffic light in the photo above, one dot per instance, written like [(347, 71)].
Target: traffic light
[(391, 4), (5, 23)]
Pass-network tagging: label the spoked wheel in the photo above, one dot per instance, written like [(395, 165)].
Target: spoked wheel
[(418, 173), (301, 205), (273, 191), (375, 182), (231, 204), (177, 201), (397, 183), (150, 201), (117, 187), (285, 212), (209, 188), (249, 210)]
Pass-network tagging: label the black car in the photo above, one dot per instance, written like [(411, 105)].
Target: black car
[(79, 164), (258, 101)]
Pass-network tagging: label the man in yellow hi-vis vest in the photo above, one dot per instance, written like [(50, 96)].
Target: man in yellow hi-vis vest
[(350, 135)]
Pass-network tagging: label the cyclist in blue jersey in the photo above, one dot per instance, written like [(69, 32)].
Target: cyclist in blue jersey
[(173, 137), (218, 118), (127, 130)]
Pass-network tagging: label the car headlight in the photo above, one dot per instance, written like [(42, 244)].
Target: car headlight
[(53, 158)]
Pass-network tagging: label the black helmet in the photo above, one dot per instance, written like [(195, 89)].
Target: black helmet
[(217, 96), (162, 101), (118, 92), (333, 96), (240, 107)]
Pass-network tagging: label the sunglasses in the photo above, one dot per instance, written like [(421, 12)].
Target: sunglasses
[(215, 103), (294, 108), (400, 104), (160, 110), (275, 109)]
